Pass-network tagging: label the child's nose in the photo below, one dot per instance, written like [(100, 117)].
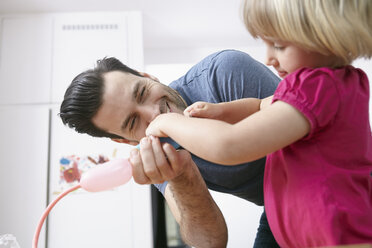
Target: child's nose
[(270, 58), (271, 61)]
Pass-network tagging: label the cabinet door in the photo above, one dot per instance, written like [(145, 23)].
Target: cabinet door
[(80, 40), (23, 171), (25, 59)]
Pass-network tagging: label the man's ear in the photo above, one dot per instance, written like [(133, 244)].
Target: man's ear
[(144, 74), (126, 141)]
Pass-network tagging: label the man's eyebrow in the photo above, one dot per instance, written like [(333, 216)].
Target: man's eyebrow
[(135, 91), (134, 96)]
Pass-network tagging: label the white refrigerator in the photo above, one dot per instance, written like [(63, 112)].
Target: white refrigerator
[(39, 56)]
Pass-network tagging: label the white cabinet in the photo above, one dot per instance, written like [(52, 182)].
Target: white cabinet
[(25, 59), (80, 39), (39, 56), (23, 170)]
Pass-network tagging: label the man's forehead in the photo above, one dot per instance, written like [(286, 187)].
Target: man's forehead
[(117, 82), (120, 76)]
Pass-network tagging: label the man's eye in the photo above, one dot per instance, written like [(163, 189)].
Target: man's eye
[(142, 94), (132, 123)]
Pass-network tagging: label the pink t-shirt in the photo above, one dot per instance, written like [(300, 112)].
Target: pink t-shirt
[(318, 190)]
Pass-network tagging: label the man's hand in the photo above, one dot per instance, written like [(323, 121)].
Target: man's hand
[(201, 222), (156, 162)]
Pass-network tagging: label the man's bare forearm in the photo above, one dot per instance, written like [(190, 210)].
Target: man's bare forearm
[(201, 222)]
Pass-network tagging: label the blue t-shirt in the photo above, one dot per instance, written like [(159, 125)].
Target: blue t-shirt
[(222, 77)]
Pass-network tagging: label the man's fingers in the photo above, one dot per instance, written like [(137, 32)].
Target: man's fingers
[(156, 162), (161, 160), (139, 175), (148, 161), (173, 158)]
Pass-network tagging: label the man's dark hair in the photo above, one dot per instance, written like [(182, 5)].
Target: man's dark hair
[(83, 97)]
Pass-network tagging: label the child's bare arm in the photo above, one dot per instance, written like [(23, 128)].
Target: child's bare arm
[(230, 112), (264, 132)]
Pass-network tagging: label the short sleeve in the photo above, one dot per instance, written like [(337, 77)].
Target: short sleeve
[(226, 76), (161, 187), (234, 75), (314, 93)]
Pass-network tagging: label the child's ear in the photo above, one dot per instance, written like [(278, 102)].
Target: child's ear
[(126, 141)]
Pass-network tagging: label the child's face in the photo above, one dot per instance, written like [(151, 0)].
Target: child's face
[(286, 57)]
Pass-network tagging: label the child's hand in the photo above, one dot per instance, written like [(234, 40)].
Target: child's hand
[(203, 110), (155, 126)]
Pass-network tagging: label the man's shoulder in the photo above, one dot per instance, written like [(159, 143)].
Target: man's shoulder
[(229, 54), (224, 76), (220, 62), (229, 58), (234, 63)]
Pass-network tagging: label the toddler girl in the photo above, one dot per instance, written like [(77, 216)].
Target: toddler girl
[(314, 130)]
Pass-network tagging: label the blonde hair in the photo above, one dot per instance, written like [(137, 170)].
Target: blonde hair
[(331, 27)]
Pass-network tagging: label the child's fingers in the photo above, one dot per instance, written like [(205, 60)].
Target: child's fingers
[(194, 109), (187, 111), (198, 113), (192, 112)]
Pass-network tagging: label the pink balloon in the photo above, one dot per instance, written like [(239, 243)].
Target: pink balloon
[(107, 175)]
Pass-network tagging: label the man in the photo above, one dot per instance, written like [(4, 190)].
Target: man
[(117, 102)]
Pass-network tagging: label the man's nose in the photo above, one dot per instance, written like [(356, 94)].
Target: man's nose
[(149, 112)]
